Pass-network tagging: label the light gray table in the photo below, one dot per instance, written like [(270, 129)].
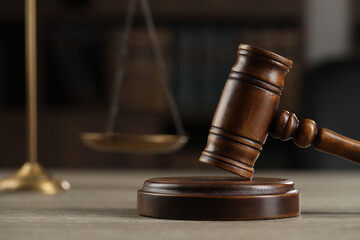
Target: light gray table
[(102, 205)]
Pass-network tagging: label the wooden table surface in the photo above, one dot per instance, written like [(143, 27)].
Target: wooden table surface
[(102, 205)]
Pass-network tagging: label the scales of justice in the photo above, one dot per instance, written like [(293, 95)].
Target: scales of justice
[(246, 113), (32, 176)]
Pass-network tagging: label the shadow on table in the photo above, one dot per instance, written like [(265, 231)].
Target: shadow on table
[(101, 212), (328, 214)]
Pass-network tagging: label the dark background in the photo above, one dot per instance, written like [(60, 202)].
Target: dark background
[(78, 46)]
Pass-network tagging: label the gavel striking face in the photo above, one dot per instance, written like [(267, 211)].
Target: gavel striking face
[(247, 112)]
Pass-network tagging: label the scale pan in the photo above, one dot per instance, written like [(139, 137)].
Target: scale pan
[(134, 143)]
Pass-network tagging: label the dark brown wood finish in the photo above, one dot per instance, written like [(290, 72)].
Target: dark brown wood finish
[(286, 126), (246, 108), (247, 112), (218, 198), (240, 127)]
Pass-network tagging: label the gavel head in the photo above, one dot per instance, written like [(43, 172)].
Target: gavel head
[(245, 110)]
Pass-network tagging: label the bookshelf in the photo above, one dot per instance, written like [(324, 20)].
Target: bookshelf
[(199, 40)]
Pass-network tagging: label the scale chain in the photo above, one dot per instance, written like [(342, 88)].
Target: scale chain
[(114, 107)]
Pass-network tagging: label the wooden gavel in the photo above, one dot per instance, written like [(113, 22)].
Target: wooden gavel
[(247, 112)]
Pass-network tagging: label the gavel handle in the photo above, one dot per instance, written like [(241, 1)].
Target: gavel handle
[(286, 126)]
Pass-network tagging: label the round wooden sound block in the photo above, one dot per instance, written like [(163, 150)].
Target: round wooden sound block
[(218, 198)]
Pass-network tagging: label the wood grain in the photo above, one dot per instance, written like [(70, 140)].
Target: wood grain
[(305, 133), (103, 203), (246, 108), (247, 112), (218, 198)]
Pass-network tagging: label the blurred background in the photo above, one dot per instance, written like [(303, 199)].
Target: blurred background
[(78, 48)]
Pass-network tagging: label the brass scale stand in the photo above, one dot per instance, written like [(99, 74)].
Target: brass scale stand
[(31, 176)]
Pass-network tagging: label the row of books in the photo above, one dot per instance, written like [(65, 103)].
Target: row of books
[(77, 66), (204, 57)]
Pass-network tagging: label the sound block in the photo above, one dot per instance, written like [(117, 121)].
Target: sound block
[(218, 198)]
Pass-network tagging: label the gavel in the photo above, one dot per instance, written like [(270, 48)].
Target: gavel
[(248, 111)]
